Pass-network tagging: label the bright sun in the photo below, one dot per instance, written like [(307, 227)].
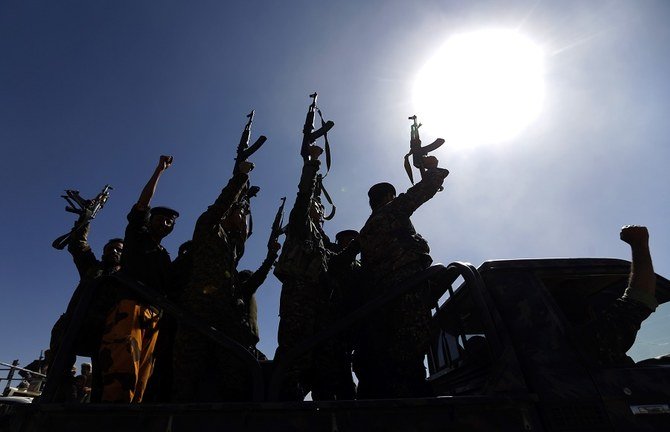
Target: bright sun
[(481, 88)]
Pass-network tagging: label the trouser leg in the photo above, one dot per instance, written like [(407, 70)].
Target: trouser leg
[(126, 352)]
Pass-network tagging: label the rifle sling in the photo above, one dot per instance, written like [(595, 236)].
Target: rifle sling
[(408, 167), (326, 145), (321, 188)]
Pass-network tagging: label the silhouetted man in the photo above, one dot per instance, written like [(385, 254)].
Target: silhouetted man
[(389, 357), (131, 328)]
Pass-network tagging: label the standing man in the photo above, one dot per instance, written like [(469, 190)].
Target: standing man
[(91, 270), (389, 357), (201, 372), (332, 359), (301, 266), (131, 328)]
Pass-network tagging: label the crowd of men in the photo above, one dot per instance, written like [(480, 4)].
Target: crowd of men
[(139, 353)]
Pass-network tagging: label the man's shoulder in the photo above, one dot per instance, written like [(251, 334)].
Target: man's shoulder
[(382, 216), (138, 216)]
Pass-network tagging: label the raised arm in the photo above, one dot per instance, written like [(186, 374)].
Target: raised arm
[(258, 277), (424, 190), (229, 195), (82, 255), (612, 333), (299, 217), (642, 281), (149, 189)]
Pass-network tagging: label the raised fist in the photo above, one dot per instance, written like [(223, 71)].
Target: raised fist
[(315, 152), (164, 162), (245, 167), (430, 162), (634, 235)]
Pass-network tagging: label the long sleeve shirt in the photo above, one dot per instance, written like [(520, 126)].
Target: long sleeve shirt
[(388, 239), (213, 252), (305, 252)]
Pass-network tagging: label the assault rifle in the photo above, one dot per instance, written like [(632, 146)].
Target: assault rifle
[(277, 228), (86, 209), (243, 148), (416, 151), (309, 135)]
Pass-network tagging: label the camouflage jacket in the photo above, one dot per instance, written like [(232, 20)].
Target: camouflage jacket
[(388, 239), (611, 333), (213, 251), (305, 252)]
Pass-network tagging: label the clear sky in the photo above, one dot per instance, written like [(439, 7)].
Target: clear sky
[(92, 92)]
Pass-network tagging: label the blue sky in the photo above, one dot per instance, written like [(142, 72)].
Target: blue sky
[(92, 92)]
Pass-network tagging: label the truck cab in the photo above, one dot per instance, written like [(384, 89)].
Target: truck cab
[(510, 330)]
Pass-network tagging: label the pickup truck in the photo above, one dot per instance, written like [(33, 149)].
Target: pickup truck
[(504, 357)]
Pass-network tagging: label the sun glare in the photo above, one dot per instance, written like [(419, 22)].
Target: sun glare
[(481, 88)]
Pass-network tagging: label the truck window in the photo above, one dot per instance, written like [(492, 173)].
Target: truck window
[(460, 340), (653, 339)]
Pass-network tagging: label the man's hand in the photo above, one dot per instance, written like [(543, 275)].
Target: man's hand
[(430, 162), (634, 235), (164, 162), (245, 167), (315, 152)]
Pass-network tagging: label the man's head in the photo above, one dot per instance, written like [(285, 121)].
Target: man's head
[(381, 194), (111, 252), (161, 221), (85, 368), (343, 238)]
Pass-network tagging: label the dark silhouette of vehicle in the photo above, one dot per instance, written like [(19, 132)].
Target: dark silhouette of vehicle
[(505, 357)]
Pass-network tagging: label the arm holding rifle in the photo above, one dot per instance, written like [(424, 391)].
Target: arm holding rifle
[(258, 277), (82, 255), (251, 285), (299, 218), (243, 148), (229, 195), (418, 153), (86, 209), (431, 182)]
